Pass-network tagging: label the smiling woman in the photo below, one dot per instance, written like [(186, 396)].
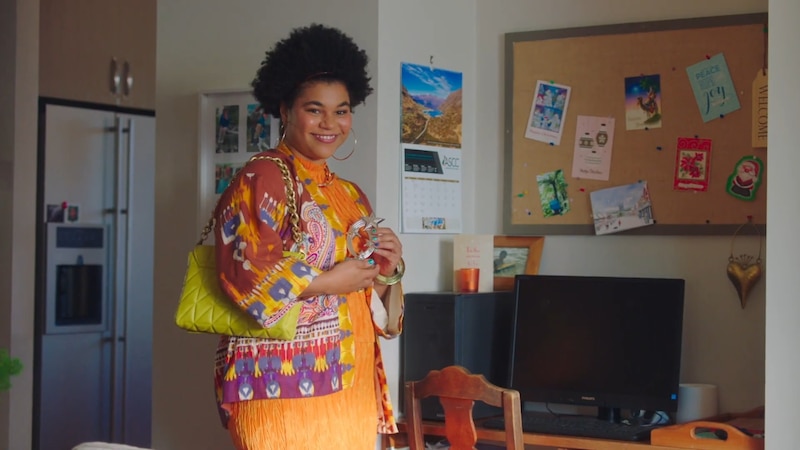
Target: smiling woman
[(324, 386)]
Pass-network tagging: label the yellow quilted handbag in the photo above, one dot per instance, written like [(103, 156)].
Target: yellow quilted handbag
[(204, 308)]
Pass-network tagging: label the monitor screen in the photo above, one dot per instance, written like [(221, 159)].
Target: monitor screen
[(609, 342)]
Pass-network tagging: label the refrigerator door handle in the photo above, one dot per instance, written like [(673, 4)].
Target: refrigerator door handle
[(121, 233), (114, 236), (126, 244)]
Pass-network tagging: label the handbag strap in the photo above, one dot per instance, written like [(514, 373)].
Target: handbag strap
[(291, 202)]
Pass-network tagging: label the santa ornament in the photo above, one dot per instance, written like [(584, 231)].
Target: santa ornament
[(743, 183)]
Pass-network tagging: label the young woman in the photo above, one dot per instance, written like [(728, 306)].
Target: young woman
[(326, 387)]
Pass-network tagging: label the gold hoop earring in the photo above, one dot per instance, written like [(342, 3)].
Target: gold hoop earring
[(283, 133), (355, 141)]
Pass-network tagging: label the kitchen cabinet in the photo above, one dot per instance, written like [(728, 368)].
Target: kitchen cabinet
[(85, 45)]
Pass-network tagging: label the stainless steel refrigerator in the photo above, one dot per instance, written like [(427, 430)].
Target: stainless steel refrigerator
[(94, 295)]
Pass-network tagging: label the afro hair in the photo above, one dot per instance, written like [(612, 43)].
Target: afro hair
[(315, 52)]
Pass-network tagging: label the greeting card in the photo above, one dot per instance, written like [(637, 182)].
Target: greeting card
[(692, 164), (713, 87), (643, 102), (475, 250), (594, 140)]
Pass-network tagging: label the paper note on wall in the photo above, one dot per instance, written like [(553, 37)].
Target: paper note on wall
[(475, 250)]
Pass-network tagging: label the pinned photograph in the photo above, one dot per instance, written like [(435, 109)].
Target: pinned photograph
[(227, 129), (643, 102), (621, 208), (55, 213), (548, 112), (553, 193), (258, 128), (224, 175), (73, 213)]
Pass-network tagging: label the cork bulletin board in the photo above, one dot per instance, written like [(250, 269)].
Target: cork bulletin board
[(593, 65)]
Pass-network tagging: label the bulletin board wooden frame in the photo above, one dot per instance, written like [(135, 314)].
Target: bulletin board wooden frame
[(593, 62)]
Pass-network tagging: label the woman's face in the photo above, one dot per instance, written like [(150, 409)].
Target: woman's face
[(319, 120)]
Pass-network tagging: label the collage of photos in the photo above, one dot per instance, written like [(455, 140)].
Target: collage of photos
[(236, 140)]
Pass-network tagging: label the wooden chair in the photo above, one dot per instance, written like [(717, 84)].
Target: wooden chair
[(457, 390)]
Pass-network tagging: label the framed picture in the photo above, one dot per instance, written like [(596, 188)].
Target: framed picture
[(232, 127), (515, 255)]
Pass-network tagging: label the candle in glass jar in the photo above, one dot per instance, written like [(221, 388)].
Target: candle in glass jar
[(467, 279)]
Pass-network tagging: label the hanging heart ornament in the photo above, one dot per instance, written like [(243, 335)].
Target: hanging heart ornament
[(744, 271)]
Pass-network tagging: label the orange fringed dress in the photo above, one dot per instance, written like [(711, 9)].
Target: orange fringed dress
[(348, 418)]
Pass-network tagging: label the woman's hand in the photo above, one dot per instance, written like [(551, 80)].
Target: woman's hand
[(349, 275), (388, 250)]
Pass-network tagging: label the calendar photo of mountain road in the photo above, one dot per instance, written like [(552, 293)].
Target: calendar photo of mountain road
[(431, 106)]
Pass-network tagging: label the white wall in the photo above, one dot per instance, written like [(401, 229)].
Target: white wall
[(19, 50), (783, 214), (414, 31)]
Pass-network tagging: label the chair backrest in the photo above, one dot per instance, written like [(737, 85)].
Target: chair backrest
[(457, 390)]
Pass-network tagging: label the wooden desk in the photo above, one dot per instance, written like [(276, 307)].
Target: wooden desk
[(430, 428)]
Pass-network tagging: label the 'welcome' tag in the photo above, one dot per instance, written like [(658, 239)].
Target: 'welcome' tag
[(760, 102)]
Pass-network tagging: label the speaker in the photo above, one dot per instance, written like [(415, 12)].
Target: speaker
[(446, 328)]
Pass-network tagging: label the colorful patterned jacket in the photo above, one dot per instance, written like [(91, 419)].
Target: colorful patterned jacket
[(252, 231)]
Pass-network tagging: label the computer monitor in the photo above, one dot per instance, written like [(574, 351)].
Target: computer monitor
[(613, 343)]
